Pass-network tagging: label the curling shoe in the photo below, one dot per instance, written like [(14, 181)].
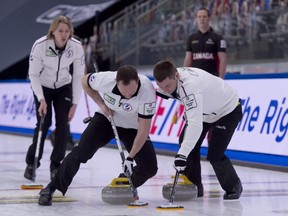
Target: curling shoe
[(200, 190), (235, 193), (45, 198), (28, 174)]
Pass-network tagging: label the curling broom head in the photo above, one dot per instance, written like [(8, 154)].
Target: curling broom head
[(137, 203), (31, 186), (170, 206)]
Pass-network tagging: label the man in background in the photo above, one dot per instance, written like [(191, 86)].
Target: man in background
[(205, 49)]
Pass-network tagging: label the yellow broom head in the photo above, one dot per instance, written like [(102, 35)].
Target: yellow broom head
[(31, 186)]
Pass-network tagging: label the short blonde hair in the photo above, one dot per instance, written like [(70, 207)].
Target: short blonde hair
[(55, 23)]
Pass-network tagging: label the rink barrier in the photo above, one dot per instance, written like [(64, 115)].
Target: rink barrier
[(260, 138)]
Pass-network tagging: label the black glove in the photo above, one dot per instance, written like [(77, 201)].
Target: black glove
[(128, 166), (180, 163)]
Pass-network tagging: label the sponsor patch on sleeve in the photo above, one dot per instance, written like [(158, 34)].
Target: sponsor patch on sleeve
[(223, 44), (83, 60), (92, 79), (189, 102), (149, 108)]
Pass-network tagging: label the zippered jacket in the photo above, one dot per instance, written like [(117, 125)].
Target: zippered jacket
[(53, 69)]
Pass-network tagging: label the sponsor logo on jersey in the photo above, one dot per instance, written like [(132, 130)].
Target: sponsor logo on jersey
[(126, 107), (195, 41), (223, 127), (197, 56), (149, 108), (69, 53), (109, 99), (189, 102), (50, 53), (92, 78), (223, 44), (83, 60), (209, 41)]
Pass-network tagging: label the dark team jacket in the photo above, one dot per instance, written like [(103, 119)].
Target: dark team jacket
[(205, 48)]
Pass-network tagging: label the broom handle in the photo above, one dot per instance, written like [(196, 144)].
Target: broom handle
[(37, 151), (134, 190), (96, 70), (172, 196)]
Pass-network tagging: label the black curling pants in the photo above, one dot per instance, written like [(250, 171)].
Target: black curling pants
[(60, 99), (221, 134), (96, 135)]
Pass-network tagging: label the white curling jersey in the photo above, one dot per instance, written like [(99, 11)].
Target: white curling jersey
[(206, 98), (127, 111), (204, 95)]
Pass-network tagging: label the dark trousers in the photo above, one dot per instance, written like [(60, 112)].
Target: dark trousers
[(221, 133), (96, 135), (61, 100)]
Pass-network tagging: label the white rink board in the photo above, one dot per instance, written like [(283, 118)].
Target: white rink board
[(263, 128)]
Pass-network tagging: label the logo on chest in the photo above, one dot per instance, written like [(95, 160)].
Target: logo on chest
[(189, 102), (126, 107), (69, 53), (109, 99), (49, 53), (201, 56)]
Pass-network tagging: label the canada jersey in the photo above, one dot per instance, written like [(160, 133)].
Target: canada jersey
[(127, 111), (52, 69), (205, 48)]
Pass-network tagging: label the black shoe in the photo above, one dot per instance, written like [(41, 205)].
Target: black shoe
[(28, 174), (235, 193), (53, 173), (200, 190), (46, 196)]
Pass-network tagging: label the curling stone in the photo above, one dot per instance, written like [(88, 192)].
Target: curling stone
[(118, 192), (185, 189)]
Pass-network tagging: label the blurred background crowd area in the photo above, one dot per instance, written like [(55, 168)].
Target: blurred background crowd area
[(142, 32), (256, 32)]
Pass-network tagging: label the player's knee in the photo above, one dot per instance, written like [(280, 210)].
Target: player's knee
[(78, 156), (152, 171)]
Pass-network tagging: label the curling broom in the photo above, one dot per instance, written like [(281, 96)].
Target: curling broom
[(136, 202), (96, 70), (34, 185), (170, 205)]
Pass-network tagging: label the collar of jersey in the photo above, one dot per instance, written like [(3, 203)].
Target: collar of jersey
[(209, 30), (116, 91)]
